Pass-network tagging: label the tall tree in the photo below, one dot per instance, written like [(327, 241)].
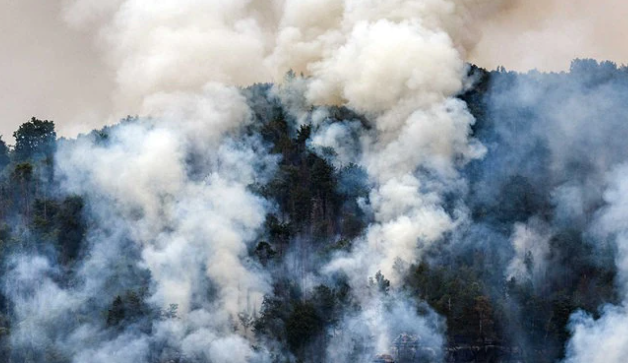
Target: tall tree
[(4, 154), (35, 139), (22, 177)]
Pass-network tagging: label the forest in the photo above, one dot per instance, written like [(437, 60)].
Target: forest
[(534, 256)]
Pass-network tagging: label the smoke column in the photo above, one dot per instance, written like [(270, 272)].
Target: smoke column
[(398, 62), (49, 66)]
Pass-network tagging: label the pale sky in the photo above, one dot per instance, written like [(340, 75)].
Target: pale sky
[(548, 34), (50, 71)]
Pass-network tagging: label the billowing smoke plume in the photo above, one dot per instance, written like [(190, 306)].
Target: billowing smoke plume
[(49, 67), (181, 46), (191, 223), (173, 192)]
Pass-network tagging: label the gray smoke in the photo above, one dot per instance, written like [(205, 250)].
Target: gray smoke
[(554, 173), (604, 339)]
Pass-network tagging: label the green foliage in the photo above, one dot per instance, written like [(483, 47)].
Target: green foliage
[(482, 307), (379, 283), (276, 132), (343, 244), (132, 308), (265, 252), (302, 325), (290, 318), (5, 157), (22, 184), (273, 314), (171, 312), (117, 312), (61, 222), (279, 234), (22, 173), (35, 139), (72, 227), (306, 186)]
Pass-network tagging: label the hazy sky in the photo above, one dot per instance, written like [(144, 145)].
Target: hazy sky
[(48, 70), (51, 71), (548, 34)]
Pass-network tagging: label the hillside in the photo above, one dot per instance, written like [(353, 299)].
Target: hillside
[(181, 238)]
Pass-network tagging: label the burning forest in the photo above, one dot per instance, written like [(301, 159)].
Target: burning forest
[(318, 181)]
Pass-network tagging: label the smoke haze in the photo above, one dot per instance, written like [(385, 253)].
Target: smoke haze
[(53, 67)]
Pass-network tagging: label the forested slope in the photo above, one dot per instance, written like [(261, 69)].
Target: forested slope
[(534, 248)]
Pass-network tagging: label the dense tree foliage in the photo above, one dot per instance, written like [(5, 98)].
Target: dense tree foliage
[(35, 139)]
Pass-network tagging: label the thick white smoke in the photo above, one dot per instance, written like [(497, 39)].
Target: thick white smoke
[(531, 245), (398, 62), (399, 65), (411, 48), (193, 222), (402, 72)]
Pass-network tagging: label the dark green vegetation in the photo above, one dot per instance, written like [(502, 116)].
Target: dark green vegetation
[(464, 278)]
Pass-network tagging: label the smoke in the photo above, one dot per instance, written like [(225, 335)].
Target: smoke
[(173, 191), (188, 222), (53, 71), (561, 132), (398, 62), (171, 46), (531, 244), (413, 111), (375, 329), (607, 333), (550, 188)]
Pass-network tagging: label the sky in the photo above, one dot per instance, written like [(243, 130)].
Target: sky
[(547, 34), (48, 70), (53, 71)]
